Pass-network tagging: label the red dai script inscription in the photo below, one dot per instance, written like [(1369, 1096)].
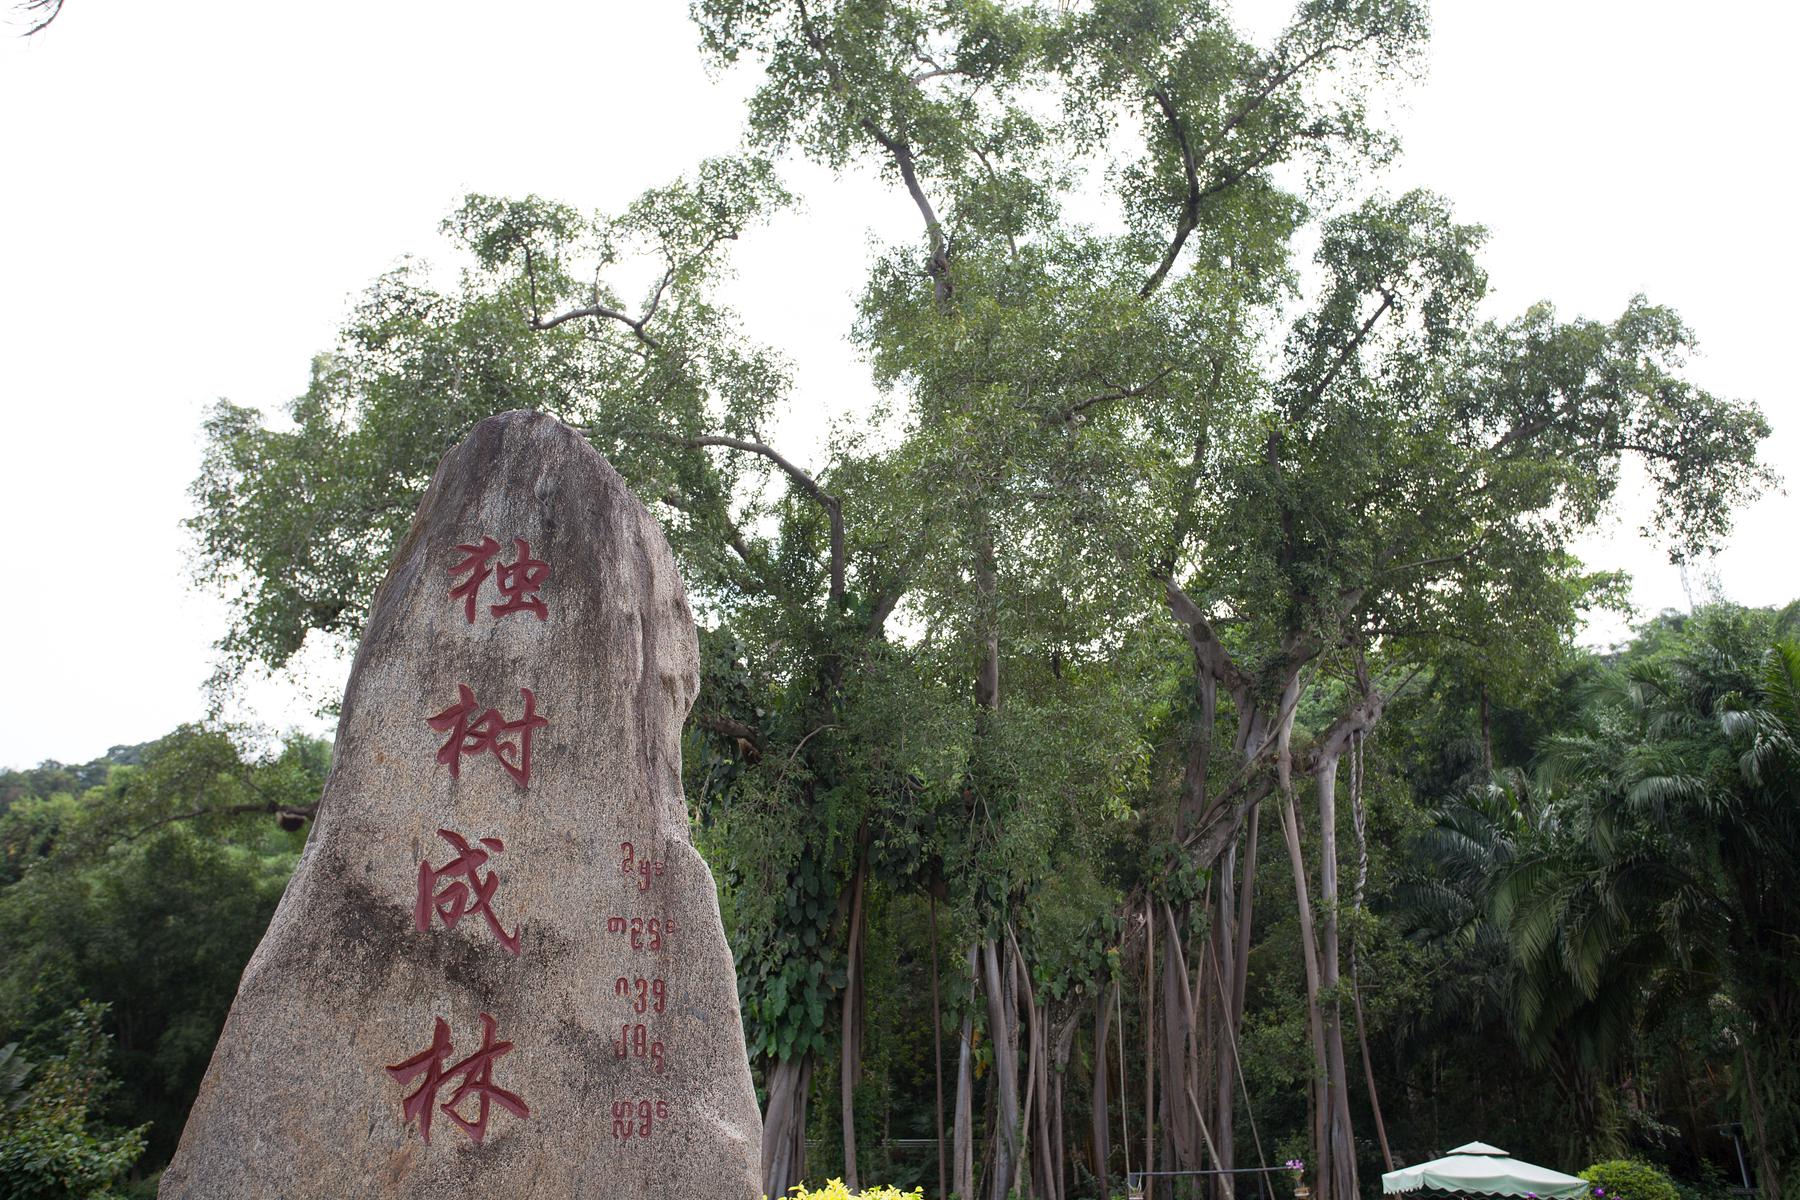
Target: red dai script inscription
[(651, 995), (638, 1120), (488, 732), (518, 581), (640, 869), (644, 934), (635, 1042), (458, 899), (476, 1073)]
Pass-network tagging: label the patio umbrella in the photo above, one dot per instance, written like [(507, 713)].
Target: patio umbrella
[(1484, 1169)]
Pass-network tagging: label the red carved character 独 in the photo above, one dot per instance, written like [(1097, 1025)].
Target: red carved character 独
[(518, 581)]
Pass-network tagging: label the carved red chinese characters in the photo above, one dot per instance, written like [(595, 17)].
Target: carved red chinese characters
[(488, 732), (458, 899), (518, 581), (541, 747), (476, 1072)]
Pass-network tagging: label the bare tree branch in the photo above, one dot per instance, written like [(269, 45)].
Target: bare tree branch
[(42, 13), (900, 151), (720, 723), (1191, 159), (1209, 652), (273, 808), (833, 507), (1118, 393), (596, 309), (1355, 343), (734, 537), (1190, 205)]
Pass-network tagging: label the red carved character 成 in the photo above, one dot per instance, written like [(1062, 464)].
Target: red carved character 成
[(476, 1072), (458, 899), (472, 734)]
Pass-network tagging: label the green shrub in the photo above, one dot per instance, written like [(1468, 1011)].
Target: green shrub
[(50, 1149), (1624, 1179)]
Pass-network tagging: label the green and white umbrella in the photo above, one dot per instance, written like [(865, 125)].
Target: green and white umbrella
[(1486, 1170)]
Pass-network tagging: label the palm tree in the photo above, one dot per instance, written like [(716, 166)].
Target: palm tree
[(1672, 869)]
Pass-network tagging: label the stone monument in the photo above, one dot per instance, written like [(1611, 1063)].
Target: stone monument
[(499, 969)]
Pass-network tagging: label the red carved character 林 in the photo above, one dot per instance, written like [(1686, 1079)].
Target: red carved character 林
[(476, 1072)]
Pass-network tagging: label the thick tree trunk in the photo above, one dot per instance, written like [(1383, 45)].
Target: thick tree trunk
[(1343, 1157), (1487, 735), (1768, 1170), (1149, 1052), (851, 1062), (1224, 953), (784, 1125), (1179, 1125), (963, 1137), (937, 1051), (1039, 1133), (1059, 1074), (1006, 1072), (1245, 909), (1360, 823), (1097, 1097), (1315, 1020)]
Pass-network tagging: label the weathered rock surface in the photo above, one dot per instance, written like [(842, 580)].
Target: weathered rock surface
[(360, 1020)]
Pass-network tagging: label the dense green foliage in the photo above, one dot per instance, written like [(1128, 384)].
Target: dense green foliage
[(49, 1145), (1560, 960), (144, 890), (50, 1149)]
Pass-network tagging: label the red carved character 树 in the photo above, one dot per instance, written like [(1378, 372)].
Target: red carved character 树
[(476, 1072), (458, 899), (472, 734)]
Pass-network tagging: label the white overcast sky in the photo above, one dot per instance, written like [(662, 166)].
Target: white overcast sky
[(192, 195)]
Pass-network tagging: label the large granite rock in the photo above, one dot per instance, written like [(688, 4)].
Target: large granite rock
[(499, 970)]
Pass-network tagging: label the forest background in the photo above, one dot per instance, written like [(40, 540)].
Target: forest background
[(1165, 518)]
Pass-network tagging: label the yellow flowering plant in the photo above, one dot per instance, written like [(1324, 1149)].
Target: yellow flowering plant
[(835, 1190)]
